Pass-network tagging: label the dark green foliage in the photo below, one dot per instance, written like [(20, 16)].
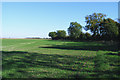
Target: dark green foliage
[(88, 36), (53, 35), (74, 30), (118, 24), (82, 36), (109, 29), (61, 34), (97, 37)]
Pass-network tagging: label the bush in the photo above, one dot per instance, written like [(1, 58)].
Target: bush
[(61, 34), (82, 36), (88, 36), (53, 35)]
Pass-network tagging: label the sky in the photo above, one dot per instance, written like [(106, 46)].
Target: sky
[(60, 0), (37, 19)]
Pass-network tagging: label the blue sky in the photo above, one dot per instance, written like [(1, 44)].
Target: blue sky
[(28, 19)]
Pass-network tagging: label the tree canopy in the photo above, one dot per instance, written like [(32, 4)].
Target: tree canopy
[(61, 34), (74, 30), (93, 22), (109, 28), (53, 35)]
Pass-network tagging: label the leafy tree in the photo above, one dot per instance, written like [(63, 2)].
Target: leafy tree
[(109, 29), (93, 22), (88, 36), (119, 37), (61, 34), (82, 36), (53, 35), (74, 30)]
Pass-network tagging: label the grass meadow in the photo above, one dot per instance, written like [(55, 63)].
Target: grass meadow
[(40, 58)]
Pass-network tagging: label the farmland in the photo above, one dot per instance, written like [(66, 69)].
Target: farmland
[(40, 58)]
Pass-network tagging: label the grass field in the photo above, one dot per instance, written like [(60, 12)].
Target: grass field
[(37, 58)]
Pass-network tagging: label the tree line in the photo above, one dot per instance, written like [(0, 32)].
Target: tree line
[(101, 28)]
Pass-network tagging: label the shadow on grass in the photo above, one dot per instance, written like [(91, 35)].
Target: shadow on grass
[(114, 59), (20, 62), (102, 66), (92, 46), (112, 54), (114, 73)]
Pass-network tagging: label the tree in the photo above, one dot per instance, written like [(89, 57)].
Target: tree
[(119, 37), (61, 34), (88, 36), (53, 35), (109, 29), (93, 23), (74, 30), (82, 36)]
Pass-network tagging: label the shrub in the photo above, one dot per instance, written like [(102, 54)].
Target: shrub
[(61, 34), (53, 35), (88, 36)]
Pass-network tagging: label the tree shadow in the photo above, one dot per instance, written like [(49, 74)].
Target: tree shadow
[(114, 73), (112, 54), (80, 75), (92, 46), (21, 61), (107, 66)]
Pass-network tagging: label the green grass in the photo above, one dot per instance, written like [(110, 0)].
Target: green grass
[(35, 58)]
